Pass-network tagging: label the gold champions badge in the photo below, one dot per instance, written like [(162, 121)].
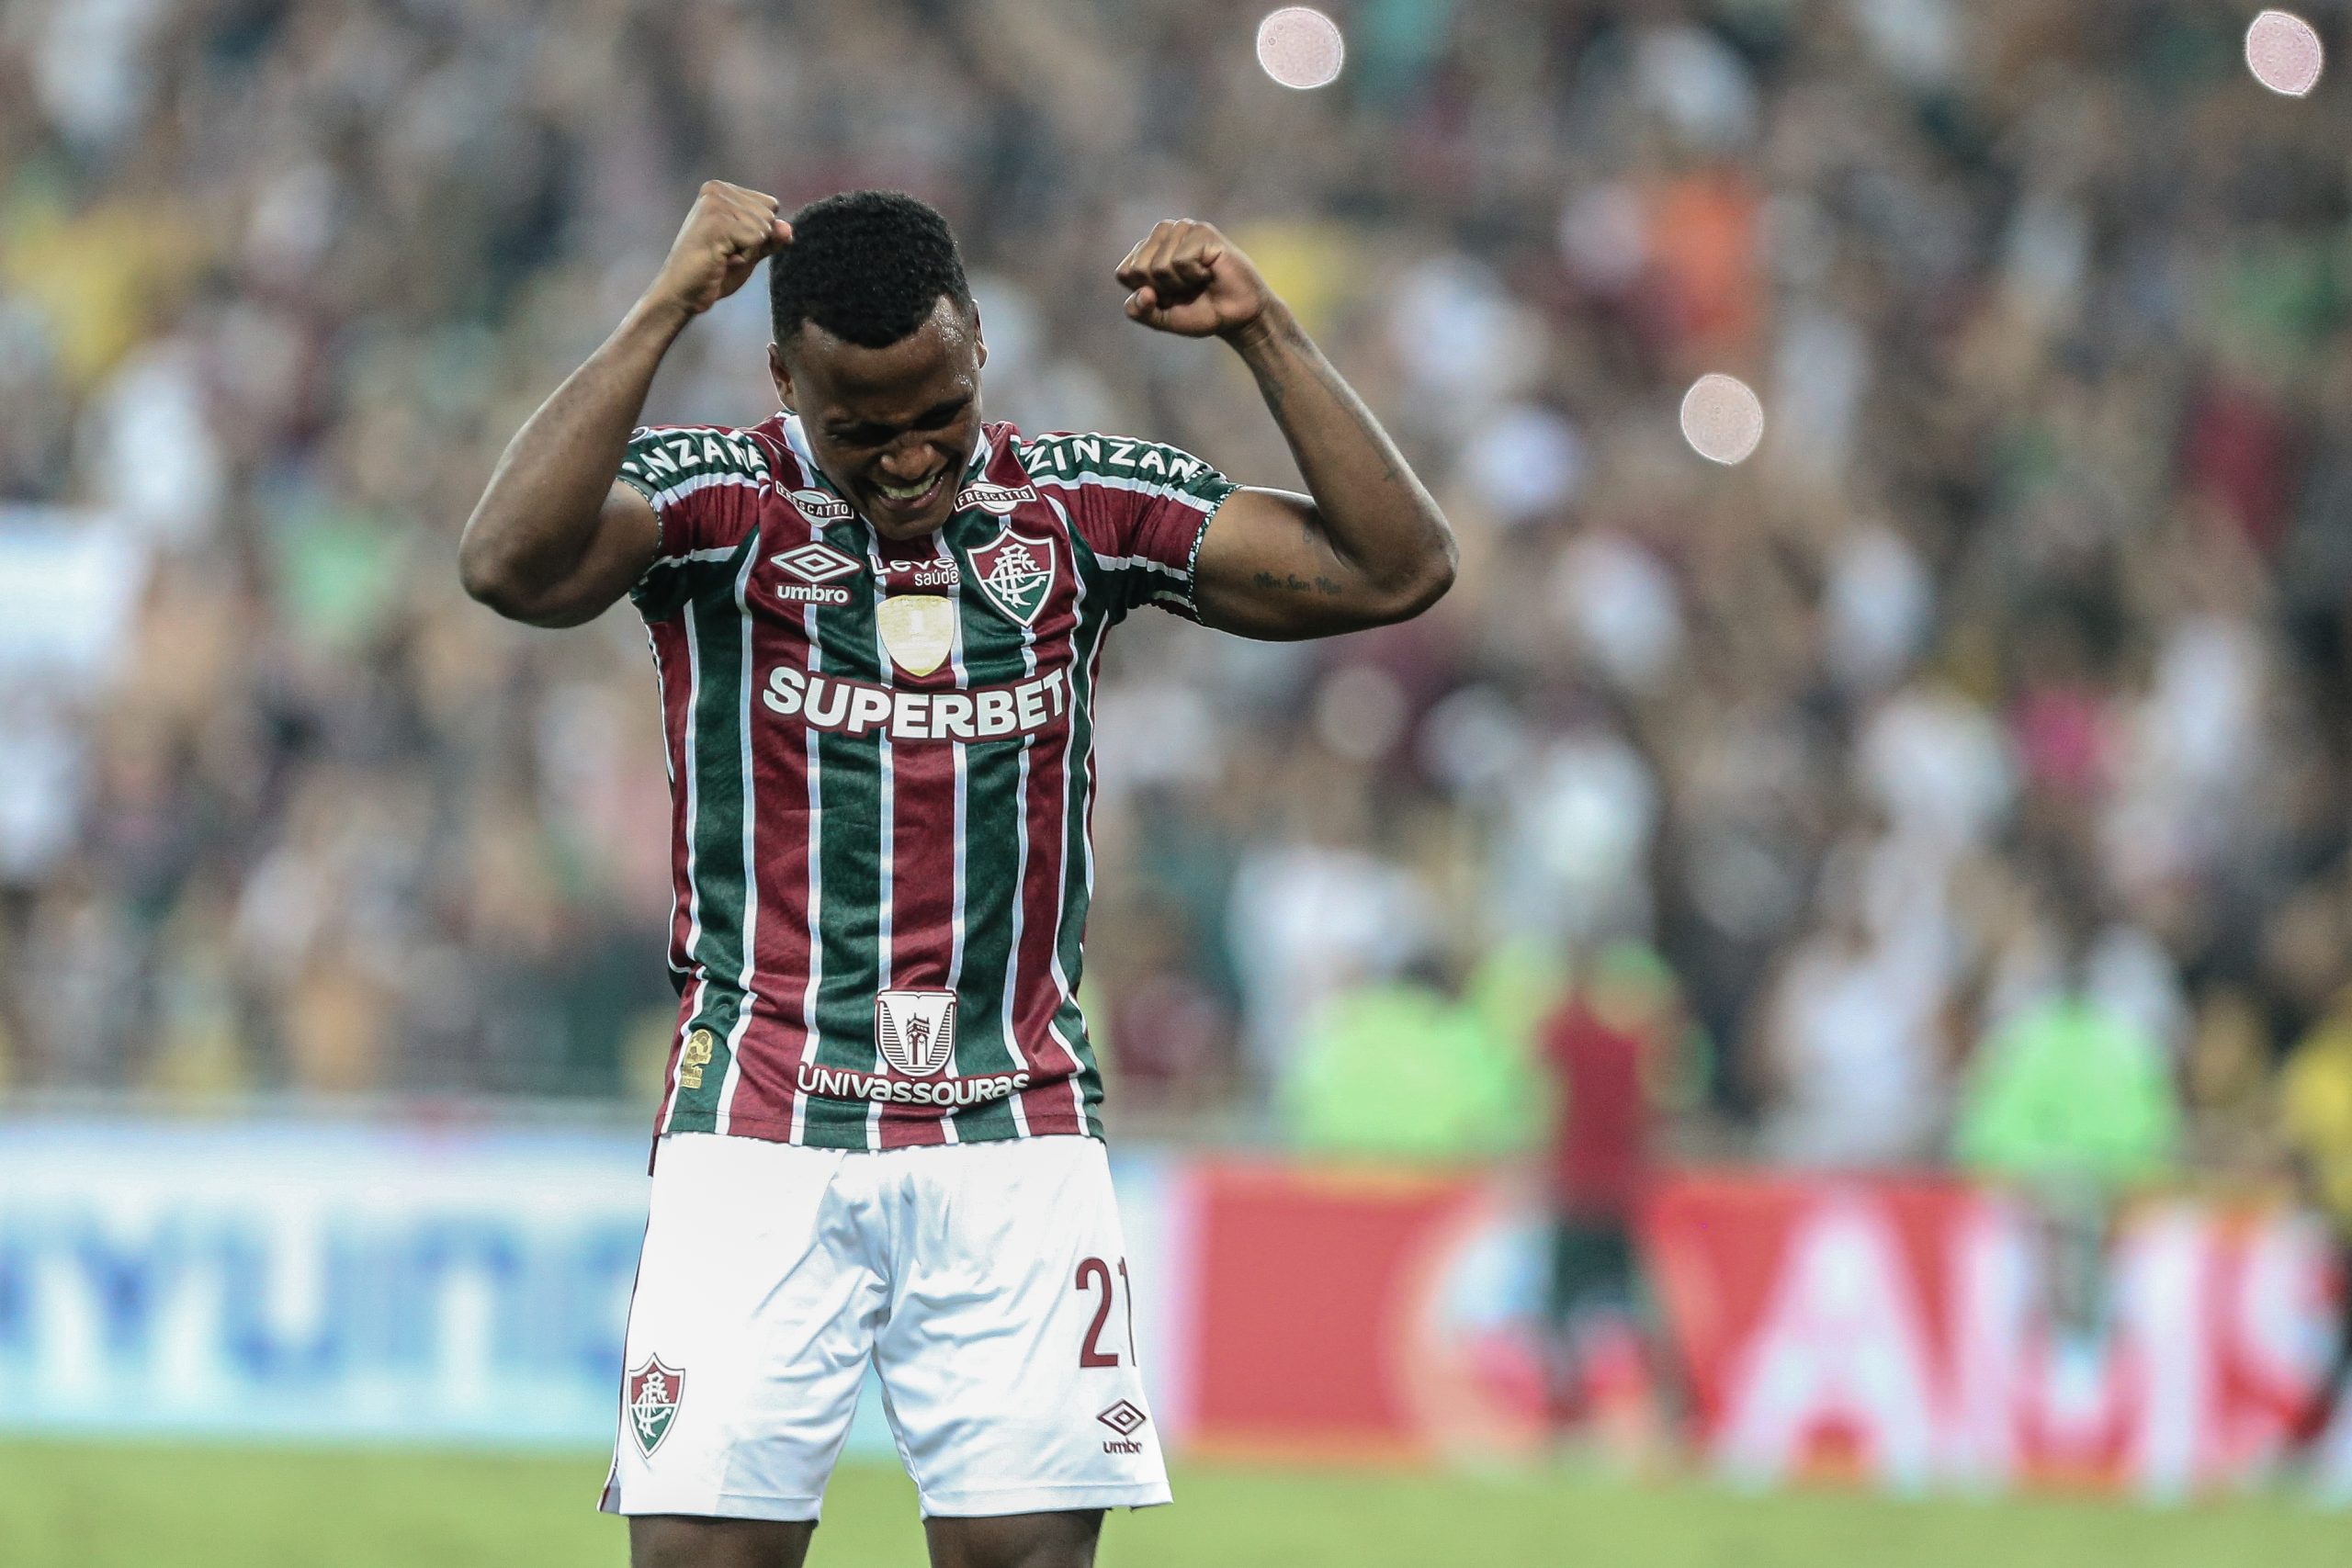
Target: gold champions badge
[(917, 628)]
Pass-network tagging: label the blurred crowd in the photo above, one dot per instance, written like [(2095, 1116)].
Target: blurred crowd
[(1976, 750)]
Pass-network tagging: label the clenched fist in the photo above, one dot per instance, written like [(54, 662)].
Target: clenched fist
[(1189, 279), (730, 231)]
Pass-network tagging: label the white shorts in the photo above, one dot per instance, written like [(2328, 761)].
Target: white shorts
[(986, 1282)]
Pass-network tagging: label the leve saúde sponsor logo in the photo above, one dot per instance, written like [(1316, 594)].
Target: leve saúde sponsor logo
[(932, 571), (857, 707)]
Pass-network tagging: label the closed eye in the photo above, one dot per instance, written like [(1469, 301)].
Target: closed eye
[(939, 416)]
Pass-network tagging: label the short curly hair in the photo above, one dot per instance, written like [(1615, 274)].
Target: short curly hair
[(867, 265)]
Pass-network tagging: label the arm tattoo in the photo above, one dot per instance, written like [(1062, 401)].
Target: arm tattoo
[(1294, 583)]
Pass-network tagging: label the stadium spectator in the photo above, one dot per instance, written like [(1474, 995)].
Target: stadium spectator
[(2071, 1102), (2316, 1107), (1612, 1048), (1850, 1050)]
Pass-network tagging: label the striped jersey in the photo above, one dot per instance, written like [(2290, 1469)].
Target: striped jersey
[(881, 765)]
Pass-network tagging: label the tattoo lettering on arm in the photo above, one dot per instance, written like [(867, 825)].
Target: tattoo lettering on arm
[(1297, 585)]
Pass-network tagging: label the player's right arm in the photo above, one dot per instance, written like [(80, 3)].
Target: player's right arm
[(555, 538)]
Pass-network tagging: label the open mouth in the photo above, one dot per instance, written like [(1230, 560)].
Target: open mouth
[(908, 500)]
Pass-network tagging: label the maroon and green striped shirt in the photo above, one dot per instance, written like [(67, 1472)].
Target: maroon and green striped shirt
[(881, 765)]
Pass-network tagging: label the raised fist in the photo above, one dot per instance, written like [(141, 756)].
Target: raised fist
[(730, 231), (1187, 279)]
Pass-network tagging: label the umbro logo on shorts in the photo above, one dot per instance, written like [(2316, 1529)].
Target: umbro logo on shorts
[(1127, 1420)]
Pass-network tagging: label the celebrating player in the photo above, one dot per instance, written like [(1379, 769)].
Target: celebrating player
[(875, 620)]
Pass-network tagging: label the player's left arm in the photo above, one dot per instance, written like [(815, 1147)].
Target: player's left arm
[(1366, 546)]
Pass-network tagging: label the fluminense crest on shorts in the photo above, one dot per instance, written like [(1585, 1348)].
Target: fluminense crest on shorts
[(1017, 571), (649, 1403), (915, 1031)]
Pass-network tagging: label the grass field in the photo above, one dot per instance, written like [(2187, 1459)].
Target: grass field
[(91, 1505)]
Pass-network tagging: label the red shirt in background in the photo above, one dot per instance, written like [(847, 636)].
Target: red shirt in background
[(1600, 1132)]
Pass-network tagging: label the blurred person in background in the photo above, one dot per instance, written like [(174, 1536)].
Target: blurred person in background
[(2072, 1103), (1614, 1049), (2315, 1124), (1850, 1053), (1409, 1068), (1166, 1034)]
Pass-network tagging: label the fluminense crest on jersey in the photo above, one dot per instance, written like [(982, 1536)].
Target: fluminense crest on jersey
[(653, 1394), (915, 1031), (1016, 570)]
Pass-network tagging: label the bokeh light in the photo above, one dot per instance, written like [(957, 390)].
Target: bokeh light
[(1301, 47), (1721, 418), (2284, 52)]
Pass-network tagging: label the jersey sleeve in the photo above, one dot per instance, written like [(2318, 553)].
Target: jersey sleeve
[(704, 484), (1140, 508)]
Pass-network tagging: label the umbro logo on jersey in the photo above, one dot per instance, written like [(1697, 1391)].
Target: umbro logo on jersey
[(815, 565), (998, 500), (813, 562), (817, 503)]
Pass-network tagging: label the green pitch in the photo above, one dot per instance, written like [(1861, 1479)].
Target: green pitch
[(119, 1506)]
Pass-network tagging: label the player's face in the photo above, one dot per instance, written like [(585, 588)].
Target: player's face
[(893, 428)]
